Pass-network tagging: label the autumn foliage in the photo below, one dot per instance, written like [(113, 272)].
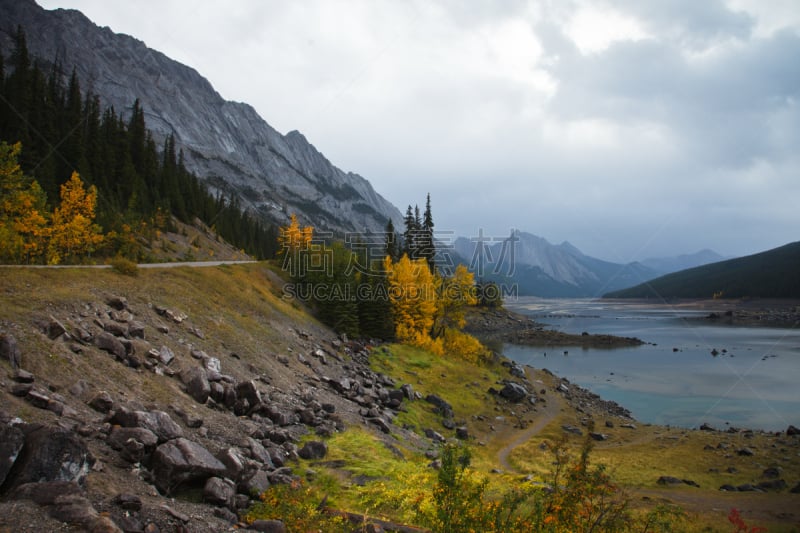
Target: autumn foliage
[(29, 232)]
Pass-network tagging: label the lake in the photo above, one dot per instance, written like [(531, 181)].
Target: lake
[(753, 382)]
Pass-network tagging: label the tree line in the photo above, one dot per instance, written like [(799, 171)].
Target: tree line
[(384, 287), (139, 185)]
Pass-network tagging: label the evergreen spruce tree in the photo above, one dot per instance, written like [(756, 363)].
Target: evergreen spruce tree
[(409, 234), (428, 246), (391, 248)]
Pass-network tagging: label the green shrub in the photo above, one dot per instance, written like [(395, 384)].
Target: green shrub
[(124, 266)]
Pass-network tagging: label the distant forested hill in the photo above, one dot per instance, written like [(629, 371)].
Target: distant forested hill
[(771, 274)]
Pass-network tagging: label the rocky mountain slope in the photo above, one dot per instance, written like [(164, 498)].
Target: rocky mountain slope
[(538, 268), (226, 143), (129, 404)]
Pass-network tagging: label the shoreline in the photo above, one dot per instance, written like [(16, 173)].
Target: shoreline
[(767, 312), (503, 326)]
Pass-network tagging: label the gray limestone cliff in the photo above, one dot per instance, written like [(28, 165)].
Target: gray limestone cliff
[(227, 144)]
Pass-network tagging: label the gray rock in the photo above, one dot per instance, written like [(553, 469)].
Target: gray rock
[(11, 441), (159, 422), (247, 390), (165, 355), (109, 343), (408, 391), (255, 484), (136, 330), (23, 376), (572, 429), (102, 402), (197, 385), (180, 461), (9, 350), (259, 453), (434, 435), (598, 436), (55, 329), (129, 502), (313, 450), (513, 392), (773, 484), (213, 364), (268, 526), (51, 454), (462, 433), (442, 406), (135, 444), (38, 398), (116, 328), (219, 491), (747, 452), (117, 302)]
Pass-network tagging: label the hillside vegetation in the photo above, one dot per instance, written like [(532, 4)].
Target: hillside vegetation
[(771, 274), (383, 415)]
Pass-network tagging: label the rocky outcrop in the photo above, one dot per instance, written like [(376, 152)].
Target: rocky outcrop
[(227, 144)]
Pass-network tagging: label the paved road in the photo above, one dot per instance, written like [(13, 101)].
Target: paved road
[(191, 264)]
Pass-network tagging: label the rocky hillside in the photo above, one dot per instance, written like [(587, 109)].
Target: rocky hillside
[(225, 143), (121, 393)]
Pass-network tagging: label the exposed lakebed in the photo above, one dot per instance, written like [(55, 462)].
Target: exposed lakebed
[(674, 378)]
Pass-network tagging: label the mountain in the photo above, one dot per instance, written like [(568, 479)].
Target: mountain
[(771, 274), (538, 268), (667, 265), (227, 144)]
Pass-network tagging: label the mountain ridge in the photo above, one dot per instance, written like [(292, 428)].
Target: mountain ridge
[(768, 274), (536, 267), (227, 144)]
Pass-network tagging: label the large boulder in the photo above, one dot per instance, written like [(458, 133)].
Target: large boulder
[(315, 449), (183, 461), (159, 422), (219, 491), (50, 454), (11, 441), (109, 343), (135, 444), (513, 392), (197, 385)]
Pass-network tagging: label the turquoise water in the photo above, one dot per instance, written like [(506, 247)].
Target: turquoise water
[(753, 382)]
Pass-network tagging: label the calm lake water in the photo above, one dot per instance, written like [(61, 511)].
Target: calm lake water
[(754, 381)]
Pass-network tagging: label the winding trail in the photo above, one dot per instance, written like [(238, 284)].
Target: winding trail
[(551, 410)]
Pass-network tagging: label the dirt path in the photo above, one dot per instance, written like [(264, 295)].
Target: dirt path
[(552, 407)]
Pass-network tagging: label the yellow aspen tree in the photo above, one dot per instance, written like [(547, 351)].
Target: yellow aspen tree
[(23, 211), (74, 233), (456, 294), (293, 238), (413, 293)]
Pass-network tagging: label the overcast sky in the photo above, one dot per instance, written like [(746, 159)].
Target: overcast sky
[(630, 128)]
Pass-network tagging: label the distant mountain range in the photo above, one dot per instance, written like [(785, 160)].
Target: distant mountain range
[(227, 144), (535, 267), (771, 274), (666, 265)]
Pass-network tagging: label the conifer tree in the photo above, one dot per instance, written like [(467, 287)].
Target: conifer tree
[(390, 248), (427, 249), (409, 233)]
